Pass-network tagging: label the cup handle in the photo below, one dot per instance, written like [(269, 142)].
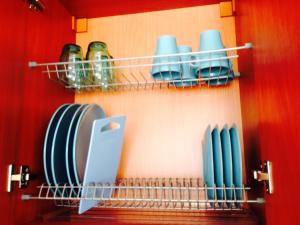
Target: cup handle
[(194, 64)]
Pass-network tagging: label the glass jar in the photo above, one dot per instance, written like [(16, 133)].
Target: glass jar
[(72, 73), (100, 71)]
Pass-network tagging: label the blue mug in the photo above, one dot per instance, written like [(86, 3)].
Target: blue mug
[(166, 45), (211, 40), (187, 72)]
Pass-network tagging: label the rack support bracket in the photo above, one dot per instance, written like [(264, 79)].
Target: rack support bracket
[(265, 174), (22, 177)]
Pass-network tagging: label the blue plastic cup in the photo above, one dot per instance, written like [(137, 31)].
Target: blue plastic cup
[(211, 40), (166, 45), (187, 72)]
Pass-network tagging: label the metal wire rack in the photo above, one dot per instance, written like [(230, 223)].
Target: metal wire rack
[(148, 193), (135, 73)]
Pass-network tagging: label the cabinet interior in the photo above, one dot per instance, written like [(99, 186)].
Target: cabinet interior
[(267, 87), (165, 128)]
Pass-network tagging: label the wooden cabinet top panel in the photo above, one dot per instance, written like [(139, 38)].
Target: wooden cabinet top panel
[(102, 8)]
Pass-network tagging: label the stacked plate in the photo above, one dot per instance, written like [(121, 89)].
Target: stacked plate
[(222, 165), (67, 143)]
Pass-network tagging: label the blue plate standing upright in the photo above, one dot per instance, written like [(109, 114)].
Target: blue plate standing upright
[(218, 163), (236, 162), (227, 163), (69, 146), (82, 137), (49, 142), (208, 165), (58, 161)]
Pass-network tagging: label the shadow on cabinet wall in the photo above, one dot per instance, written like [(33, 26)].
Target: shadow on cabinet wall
[(102, 8), (27, 98), (270, 98)]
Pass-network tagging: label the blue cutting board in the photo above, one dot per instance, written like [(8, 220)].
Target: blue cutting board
[(103, 158)]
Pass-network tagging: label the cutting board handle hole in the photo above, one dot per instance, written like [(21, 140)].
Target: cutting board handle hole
[(110, 126)]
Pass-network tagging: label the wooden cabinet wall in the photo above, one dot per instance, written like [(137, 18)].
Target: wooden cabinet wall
[(270, 99), (27, 98), (164, 128)]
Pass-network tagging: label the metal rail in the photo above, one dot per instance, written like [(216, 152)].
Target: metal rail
[(149, 193)]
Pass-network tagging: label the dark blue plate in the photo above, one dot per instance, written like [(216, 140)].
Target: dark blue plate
[(58, 162), (48, 143)]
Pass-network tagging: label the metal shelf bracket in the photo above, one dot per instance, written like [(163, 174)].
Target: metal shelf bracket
[(265, 175), (22, 177)]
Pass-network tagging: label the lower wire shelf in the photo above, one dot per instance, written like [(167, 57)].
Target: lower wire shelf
[(151, 194)]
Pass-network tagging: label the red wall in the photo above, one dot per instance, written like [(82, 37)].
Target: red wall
[(27, 97), (270, 96)]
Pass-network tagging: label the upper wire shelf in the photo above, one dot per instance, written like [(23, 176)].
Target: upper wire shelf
[(183, 70), (149, 193)]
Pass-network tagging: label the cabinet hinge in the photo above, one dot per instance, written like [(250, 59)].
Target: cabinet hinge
[(265, 174), (22, 177)]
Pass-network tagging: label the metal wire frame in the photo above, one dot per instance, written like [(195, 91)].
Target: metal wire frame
[(134, 73), (147, 193)]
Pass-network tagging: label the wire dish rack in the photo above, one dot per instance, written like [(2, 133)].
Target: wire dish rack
[(137, 73), (148, 193)]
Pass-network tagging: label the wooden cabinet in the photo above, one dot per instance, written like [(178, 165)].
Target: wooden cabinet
[(263, 102), (27, 99), (269, 98)]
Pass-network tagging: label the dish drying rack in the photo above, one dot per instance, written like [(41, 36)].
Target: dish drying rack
[(185, 194), (134, 73)]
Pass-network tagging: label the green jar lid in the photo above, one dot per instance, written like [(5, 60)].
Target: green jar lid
[(97, 45), (71, 48)]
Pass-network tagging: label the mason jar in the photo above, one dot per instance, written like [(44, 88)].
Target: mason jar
[(100, 69), (72, 73)]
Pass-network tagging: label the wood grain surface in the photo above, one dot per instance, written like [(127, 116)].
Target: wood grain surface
[(165, 128), (270, 100), (101, 8), (27, 97)]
